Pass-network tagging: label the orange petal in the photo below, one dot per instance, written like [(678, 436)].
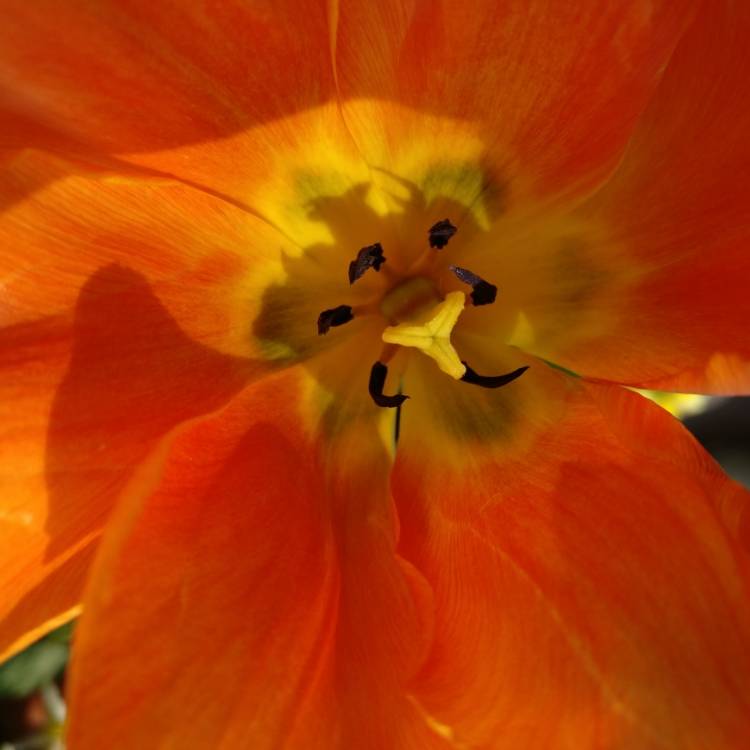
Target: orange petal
[(140, 76), (553, 91), (206, 259), (592, 584), (667, 304), (202, 94), (126, 309), (248, 595)]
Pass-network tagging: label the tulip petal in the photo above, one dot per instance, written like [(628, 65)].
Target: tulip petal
[(552, 90), (591, 580), (138, 76), (207, 94), (126, 309), (655, 266), (247, 594)]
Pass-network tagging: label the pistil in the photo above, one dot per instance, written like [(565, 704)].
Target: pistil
[(432, 335)]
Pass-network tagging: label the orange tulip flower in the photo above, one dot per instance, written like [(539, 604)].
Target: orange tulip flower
[(237, 235)]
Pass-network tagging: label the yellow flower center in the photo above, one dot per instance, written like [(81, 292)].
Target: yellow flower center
[(367, 274), (409, 299), (422, 317)]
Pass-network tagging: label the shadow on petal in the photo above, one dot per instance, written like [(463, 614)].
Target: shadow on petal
[(133, 375)]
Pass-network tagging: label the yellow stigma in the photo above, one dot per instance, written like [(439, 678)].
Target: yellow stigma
[(433, 335)]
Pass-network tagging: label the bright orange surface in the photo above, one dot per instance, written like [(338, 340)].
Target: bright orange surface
[(260, 562)]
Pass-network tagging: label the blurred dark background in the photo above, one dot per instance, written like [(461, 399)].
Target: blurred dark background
[(724, 430)]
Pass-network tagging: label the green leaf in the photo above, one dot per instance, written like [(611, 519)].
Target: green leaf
[(38, 665)]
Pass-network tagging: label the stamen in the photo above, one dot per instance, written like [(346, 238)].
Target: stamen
[(483, 292), (378, 374), (440, 233), (491, 381), (336, 316), (368, 257)]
